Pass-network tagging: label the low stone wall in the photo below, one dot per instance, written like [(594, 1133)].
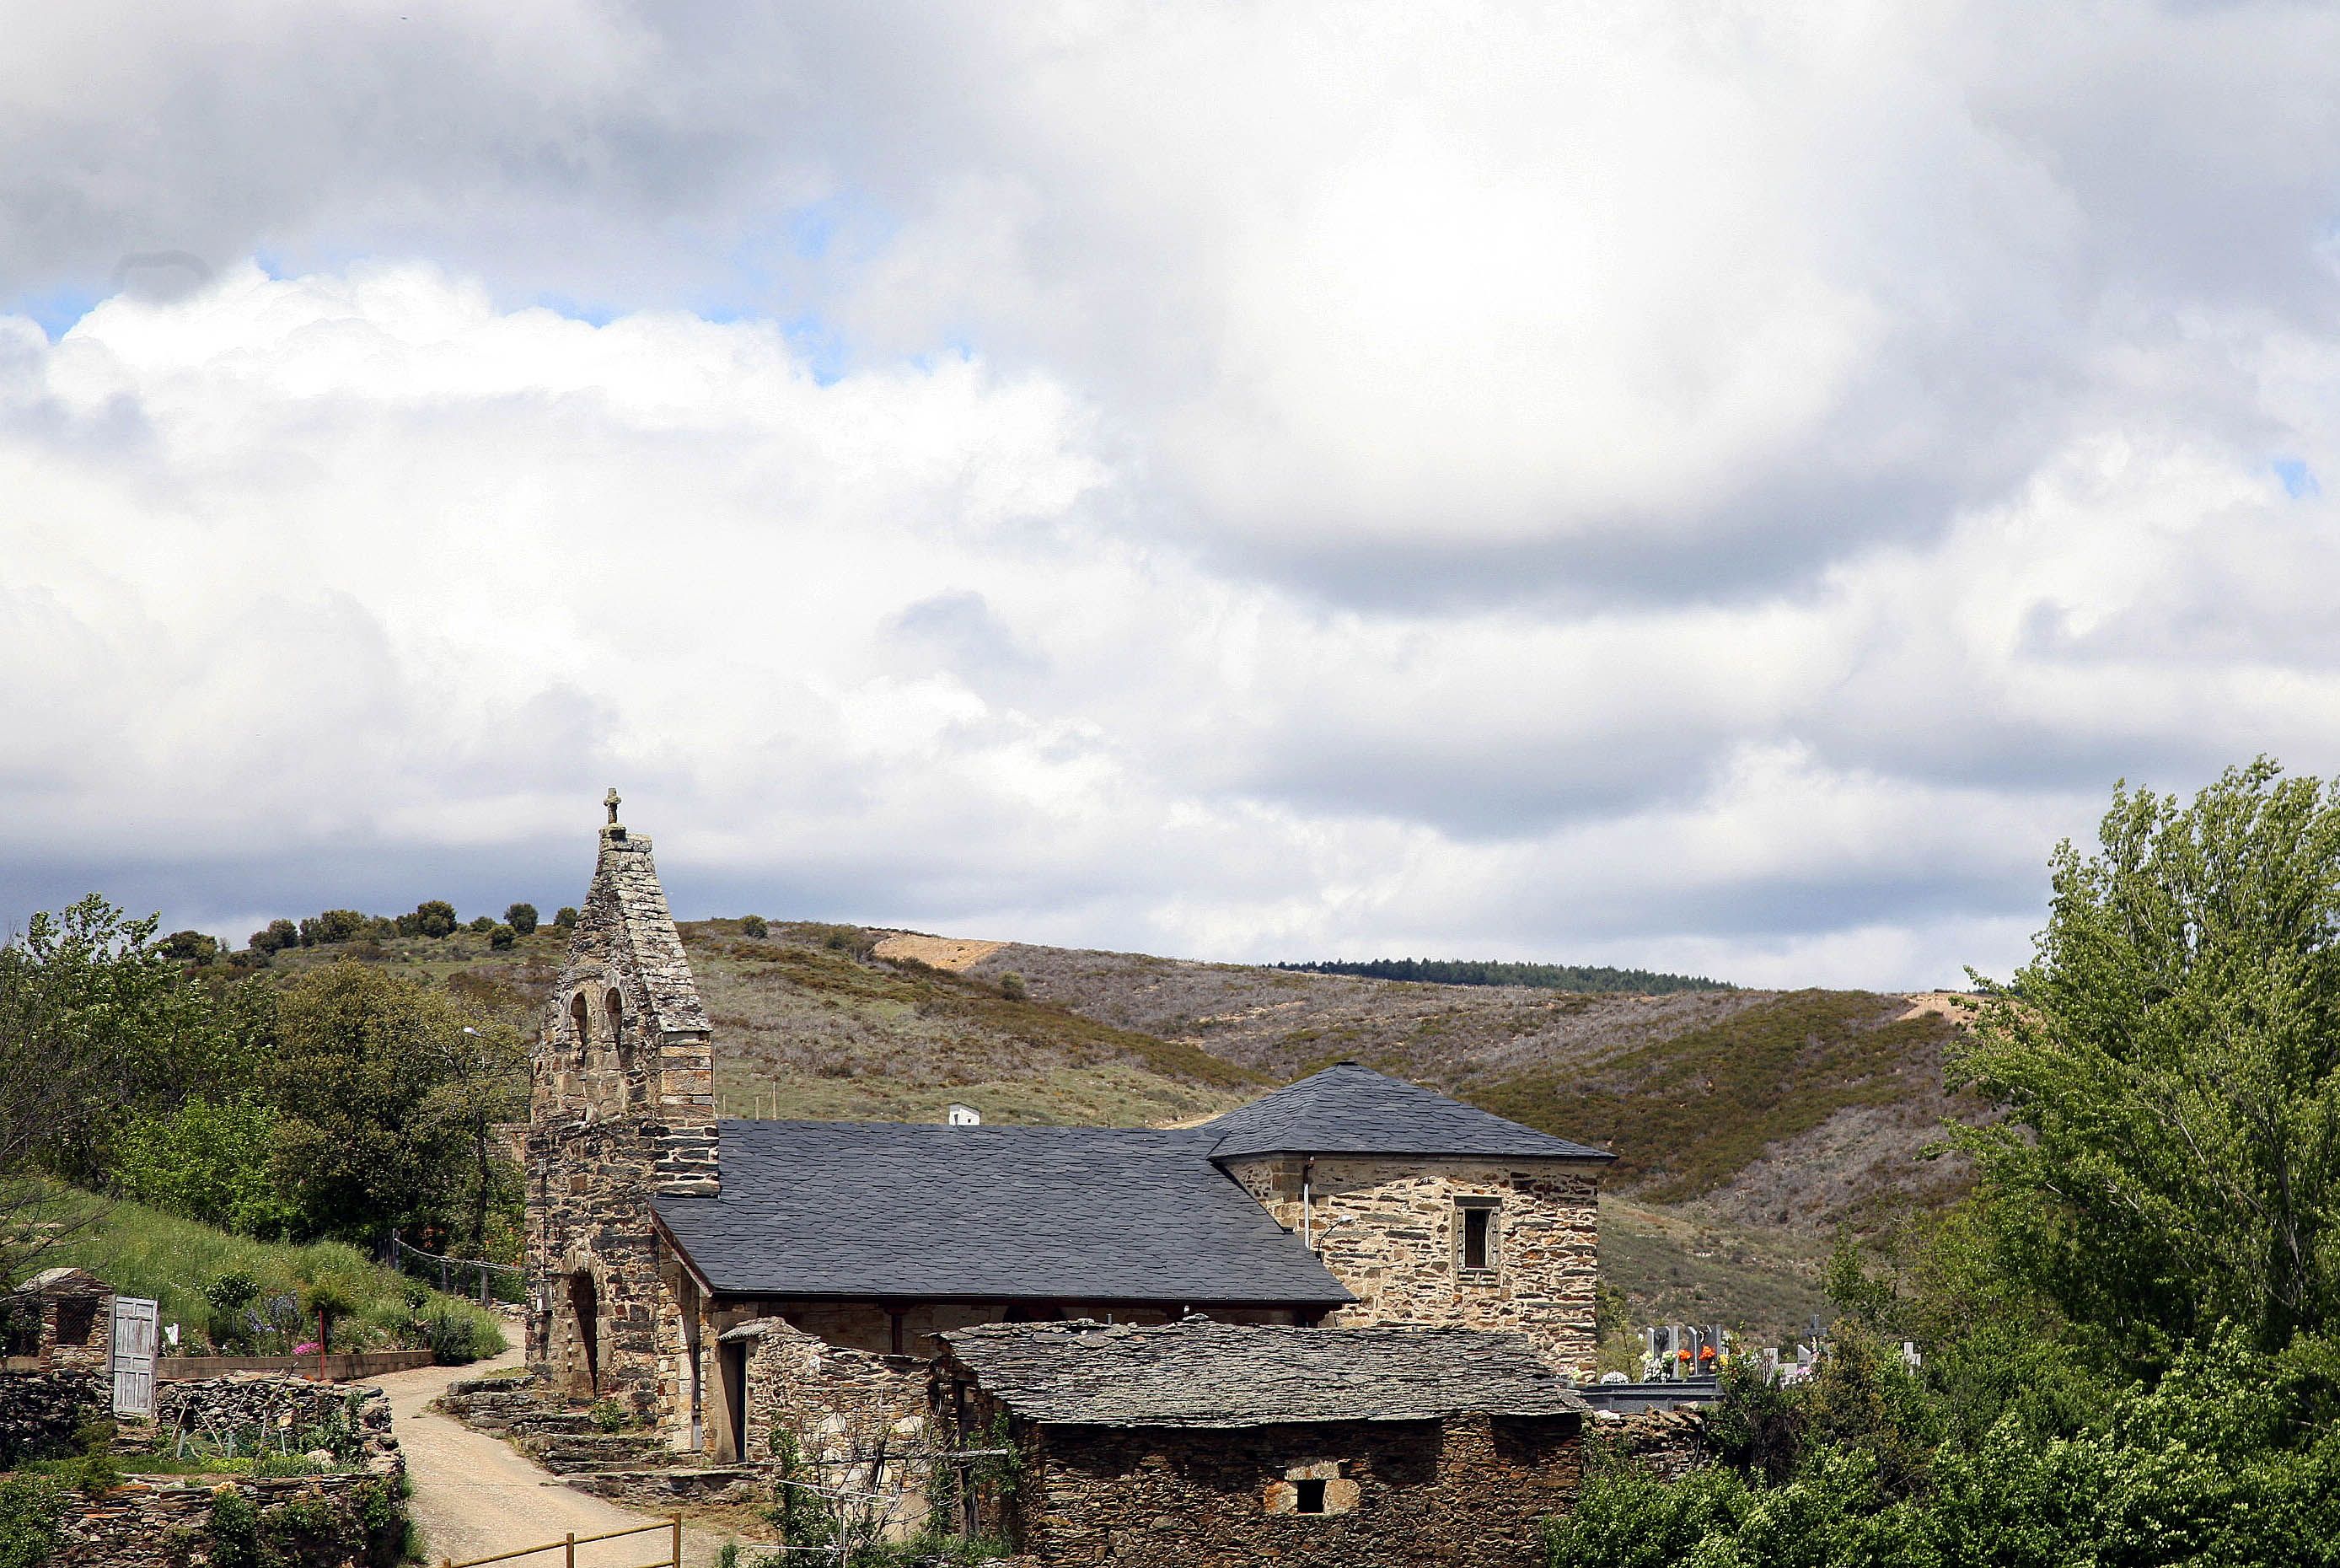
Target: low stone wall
[(1667, 1444), (305, 1521), (40, 1411), (1470, 1493), (291, 1406), (334, 1368)]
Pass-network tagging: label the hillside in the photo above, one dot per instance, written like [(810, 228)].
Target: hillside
[(1750, 1124)]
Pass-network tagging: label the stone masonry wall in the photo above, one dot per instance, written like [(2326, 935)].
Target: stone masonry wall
[(621, 1105), (290, 1405), (1470, 1493), (857, 1420), (1388, 1228), (305, 1521), (40, 1411)]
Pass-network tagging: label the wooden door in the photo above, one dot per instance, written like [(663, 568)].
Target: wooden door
[(135, 1339)]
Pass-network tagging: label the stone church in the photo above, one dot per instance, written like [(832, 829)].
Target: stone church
[(673, 1254)]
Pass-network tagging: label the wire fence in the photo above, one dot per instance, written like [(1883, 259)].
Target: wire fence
[(490, 1281)]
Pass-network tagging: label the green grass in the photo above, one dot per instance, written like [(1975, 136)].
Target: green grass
[(143, 1252), (1689, 1112)]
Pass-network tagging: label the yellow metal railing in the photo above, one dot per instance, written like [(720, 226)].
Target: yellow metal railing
[(567, 1545)]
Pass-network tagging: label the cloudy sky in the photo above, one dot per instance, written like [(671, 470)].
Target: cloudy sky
[(1720, 486)]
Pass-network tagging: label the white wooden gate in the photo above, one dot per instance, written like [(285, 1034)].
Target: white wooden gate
[(135, 1346)]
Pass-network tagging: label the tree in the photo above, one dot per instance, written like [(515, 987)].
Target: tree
[(480, 1075), (755, 925), (275, 937), (334, 926), (2169, 1064), (188, 947), (521, 917), (502, 936), (434, 918), (361, 1053), (566, 919)]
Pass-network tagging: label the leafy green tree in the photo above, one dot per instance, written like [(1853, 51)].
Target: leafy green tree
[(275, 937), (335, 925), (484, 924), (212, 1161), (188, 947), (565, 917), (361, 1144), (502, 936), (434, 918), (2169, 1066), (521, 917)]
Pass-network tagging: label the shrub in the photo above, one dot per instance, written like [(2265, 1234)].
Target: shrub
[(275, 937), (432, 918), (189, 947), (29, 1508), (755, 925), (234, 1528), (483, 924), (565, 917), (336, 926), (610, 1416), (1012, 986), (502, 936), (456, 1332), (522, 918), (209, 1162)]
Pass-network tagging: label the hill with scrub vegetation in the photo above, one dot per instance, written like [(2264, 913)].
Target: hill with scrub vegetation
[(1752, 1126)]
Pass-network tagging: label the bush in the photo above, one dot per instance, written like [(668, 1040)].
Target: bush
[(565, 917), (209, 1162), (431, 918), (456, 1332), (502, 936), (1012, 986), (189, 947), (275, 937), (336, 926), (234, 1528), (755, 925), (610, 1416), (29, 1508), (522, 918)]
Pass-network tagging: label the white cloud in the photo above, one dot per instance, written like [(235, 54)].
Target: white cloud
[(1720, 486)]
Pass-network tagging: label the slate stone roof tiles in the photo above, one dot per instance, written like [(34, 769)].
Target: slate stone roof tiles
[(1199, 1373), (1348, 1109), (880, 1209)]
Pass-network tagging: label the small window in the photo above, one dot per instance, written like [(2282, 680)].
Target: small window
[(76, 1321), (1309, 1497), (580, 1018), (1478, 1237), (613, 1015)]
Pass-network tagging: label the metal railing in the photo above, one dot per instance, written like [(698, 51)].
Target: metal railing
[(567, 1545)]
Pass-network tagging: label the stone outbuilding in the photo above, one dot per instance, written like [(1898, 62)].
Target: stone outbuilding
[(60, 1320), (1199, 1444)]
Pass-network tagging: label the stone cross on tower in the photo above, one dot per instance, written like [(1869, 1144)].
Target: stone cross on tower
[(610, 800)]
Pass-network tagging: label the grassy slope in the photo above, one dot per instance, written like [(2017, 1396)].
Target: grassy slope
[(805, 1029), (143, 1252)]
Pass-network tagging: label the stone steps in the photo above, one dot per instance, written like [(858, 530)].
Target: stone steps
[(656, 1489), (568, 1453)]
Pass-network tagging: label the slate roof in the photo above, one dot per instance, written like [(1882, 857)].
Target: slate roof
[(1348, 1109), (864, 1209), (1220, 1374)]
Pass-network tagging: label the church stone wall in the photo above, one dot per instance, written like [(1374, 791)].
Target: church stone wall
[(1389, 1228), (621, 1106)]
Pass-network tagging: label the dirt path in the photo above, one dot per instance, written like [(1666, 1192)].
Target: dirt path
[(474, 1495)]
